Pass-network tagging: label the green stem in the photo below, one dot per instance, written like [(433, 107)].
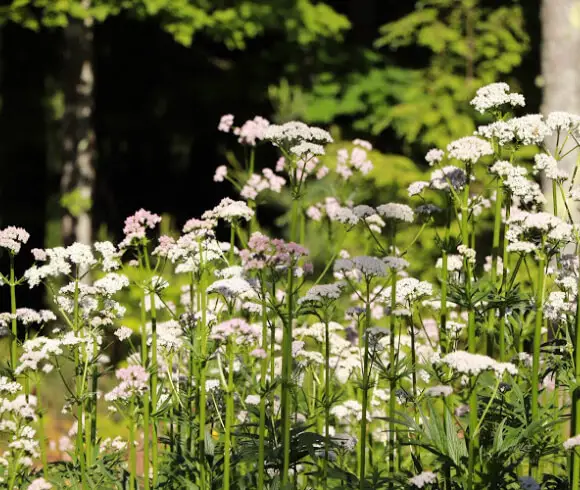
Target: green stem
[(287, 356), (14, 338), (132, 451), (146, 396), (327, 398), (365, 393), (494, 260), (444, 281), (503, 289), (555, 196), (392, 374), (202, 339), (575, 463), (538, 337), (229, 415), (154, 377), (41, 433), (79, 450), (232, 244), (471, 340), (263, 372)]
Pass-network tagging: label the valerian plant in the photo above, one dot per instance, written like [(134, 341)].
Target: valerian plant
[(266, 372)]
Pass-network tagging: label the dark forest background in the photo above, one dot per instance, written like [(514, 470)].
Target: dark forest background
[(157, 100)]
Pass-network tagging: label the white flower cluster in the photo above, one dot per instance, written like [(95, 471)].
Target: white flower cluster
[(557, 306), (496, 95), (39, 484), (549, 165), (36, 351), (111, 284), (571, 443), (474, 364), (292, 134), (436, 391), (563, 121), (27, 316), (232, 287), (59, 261), (441, 178), (469, 149), (229, 210), (467, 252), (416, 188), (110, 256), (113, 445), (454, 263), (408, 291), (423, 479), (525, 226), (7, 386), (433, 156), (395, 263), (397, 212), (526, 130), (12, 238), (365, 265), (323, 293)]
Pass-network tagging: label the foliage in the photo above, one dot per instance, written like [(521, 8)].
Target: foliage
[(233, 23), (462, 44)]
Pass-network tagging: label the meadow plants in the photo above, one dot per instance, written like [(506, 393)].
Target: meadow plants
[(251, 368)]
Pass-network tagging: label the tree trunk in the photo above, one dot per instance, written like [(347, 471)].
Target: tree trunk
[(560, 61), (78, 173)]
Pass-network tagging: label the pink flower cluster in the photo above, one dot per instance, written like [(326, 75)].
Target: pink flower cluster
[(257, 183), (251, 131), (12, 238), (264, 252), (237, 328), (357, 159), (134, 380), (136, 226)]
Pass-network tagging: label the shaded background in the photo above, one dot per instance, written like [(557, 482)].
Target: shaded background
[(159, 91)]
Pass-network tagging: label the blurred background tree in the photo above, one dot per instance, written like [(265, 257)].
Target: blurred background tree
[(112, 105)]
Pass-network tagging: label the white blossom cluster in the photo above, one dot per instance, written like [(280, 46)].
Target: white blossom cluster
[(496, 95), (469, 149), (397, 212), (475, 364), (229, 210)]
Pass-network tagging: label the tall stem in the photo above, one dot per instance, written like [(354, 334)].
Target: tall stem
[(79, 377), (538, 340), (392, 367), (444, 281), (287, 356), (132, 450), (503, 289), (202, 340), (327, 398), (146, 396), (263, 372), (229, 415), (14, 339), (154, 377), (471, 340), (575, 477), (41, 433), (365, 392), (494, 260)]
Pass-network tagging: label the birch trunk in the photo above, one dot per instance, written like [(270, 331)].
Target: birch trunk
[(78, 175), (560, 64)]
